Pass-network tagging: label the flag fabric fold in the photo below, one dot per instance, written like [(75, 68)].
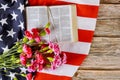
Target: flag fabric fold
[(12, 20), (11, 23)]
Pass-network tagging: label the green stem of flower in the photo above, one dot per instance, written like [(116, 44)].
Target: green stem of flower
[(11, 53), (12, 49)]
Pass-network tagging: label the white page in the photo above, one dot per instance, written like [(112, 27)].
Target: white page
[(60, 17), (36, 16)]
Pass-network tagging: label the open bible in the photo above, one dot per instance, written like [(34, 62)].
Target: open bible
[(63, 19)]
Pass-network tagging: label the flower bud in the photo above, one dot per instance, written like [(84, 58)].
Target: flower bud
[(17, 61), (19, 51), (31, 41), (27, 50), (17, 43), (50, 51), (25, 40), (15, 78), (23, 59), (24, 75)]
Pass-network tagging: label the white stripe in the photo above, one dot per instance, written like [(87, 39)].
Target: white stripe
[(86, 23), (88, 2), (64, 70), (75, 47)]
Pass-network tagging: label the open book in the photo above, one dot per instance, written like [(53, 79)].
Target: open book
[(63, 19)]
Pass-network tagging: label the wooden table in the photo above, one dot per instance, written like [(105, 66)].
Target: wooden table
[(103, 62)]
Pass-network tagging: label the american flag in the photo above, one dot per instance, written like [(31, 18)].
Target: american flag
[(11, 23), (11, 27), (87, 11)]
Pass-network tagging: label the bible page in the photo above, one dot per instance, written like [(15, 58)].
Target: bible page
[(64, 22)]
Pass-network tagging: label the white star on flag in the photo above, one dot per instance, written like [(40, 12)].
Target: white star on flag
[(21, 25), (14, 0), (3, 21), (4, 6), (21, 7), (17, 40), (4, 69), (1, 38), (14, 16), (12, 75), (5, 49), (11, 33), (23, 70)]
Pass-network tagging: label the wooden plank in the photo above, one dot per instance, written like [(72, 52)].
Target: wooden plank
[(104, 54), (103, 62), (109, 11), (97, 75), (110, 1), (108, 27)]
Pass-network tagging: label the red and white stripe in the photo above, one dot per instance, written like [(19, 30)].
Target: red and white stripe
[(88, 2), (87, 11)]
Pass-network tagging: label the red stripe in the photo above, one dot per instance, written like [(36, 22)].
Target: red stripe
[(32, 2), (85, 35), (87, 11), (72, 58), (75, 59), (82, 10), (45, 76)]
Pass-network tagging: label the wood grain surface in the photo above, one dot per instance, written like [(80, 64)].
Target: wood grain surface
[(110, 1), (108, 28), (97, 75), (103, 62), (107, 11), (104, 54)]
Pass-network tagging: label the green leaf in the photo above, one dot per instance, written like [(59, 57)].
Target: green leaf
[(24, 75), (20, 50), (43, 33), (17, 43), (48, 65), (47, 25), (41, 42), (50, 59), (31, 41), (25, 40), (50, 51), (45, 48), (15, 78), (13, 58), (17, 61)]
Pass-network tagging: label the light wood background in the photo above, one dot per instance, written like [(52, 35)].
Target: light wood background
[(103, 62)]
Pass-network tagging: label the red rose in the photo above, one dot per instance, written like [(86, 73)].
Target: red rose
[(47, 30), (32, 66), (23, 59), (39, 58), (35, 31), (28, 35), (40, 67), (27, 50), (37, 38), (29, 76)]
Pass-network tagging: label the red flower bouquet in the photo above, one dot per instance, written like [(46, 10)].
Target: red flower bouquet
[(34, 53)]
